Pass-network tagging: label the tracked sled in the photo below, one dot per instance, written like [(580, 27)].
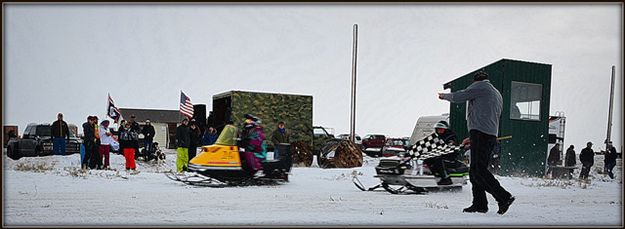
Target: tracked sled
[(406, 173), (223, 164)]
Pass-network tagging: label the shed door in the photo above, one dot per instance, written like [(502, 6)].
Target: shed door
[(161, 134)]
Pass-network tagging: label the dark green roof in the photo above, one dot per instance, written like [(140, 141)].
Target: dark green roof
[(504, 60)]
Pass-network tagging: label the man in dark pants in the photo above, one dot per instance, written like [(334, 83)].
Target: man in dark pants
[(60, 133), (553, 160), (609, 159), (484, 111), (88, 141), (569, 159), (587, 157), (148, 135)]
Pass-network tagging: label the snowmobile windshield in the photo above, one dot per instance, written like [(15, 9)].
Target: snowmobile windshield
[(228, 136)]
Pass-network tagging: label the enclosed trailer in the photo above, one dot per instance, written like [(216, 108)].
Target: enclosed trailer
[(295, 110)]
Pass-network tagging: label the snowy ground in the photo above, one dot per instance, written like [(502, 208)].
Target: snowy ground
[(48, 191)]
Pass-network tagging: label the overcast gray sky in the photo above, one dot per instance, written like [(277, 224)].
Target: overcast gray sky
[(66, 58)]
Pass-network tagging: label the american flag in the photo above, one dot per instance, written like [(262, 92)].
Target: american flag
[(186, 107), (112, 111)]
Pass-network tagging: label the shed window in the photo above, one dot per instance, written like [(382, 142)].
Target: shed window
[(525, 100)]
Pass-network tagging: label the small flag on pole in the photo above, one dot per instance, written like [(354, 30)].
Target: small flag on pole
[(186, 107), (112, 110)]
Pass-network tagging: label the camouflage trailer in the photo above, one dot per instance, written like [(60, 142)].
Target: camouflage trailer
[(295, 110)]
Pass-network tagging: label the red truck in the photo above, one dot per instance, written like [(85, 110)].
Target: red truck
[(374, 141)]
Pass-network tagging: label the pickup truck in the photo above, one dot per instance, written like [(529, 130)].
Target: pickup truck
[(37, 141)]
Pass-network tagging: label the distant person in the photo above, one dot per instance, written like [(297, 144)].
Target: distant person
[(587, 157), (134, 126), (483, 115), (609, 159), (194, 139), (436, 164), (89, 141), (96, 159), (128, 141), (278, 136), (122, 125), (569, 159), (183, 138), (553, 159), (60, 133), (148, 135), (210, 136), (106, 139)]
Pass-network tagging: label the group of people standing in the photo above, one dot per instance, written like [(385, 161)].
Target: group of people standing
[(98, 139), (586, 157)]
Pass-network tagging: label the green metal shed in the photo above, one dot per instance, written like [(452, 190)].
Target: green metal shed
[(525, 88)]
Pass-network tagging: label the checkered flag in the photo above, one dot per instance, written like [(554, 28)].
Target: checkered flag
[(432, 146)]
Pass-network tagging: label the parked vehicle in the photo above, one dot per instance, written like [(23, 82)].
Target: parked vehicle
[(357, 139), (321, 138), (374, 141), (394, 146), (37, 141)]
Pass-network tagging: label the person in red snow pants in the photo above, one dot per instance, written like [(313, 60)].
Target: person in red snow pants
[(129, 154)]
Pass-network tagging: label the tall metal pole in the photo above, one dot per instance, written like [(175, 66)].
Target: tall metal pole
[(352, 118), (610, 112)]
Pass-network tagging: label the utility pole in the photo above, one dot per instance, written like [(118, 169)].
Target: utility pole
[(352, 118), (610, 111)]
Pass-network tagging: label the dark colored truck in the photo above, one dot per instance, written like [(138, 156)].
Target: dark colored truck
[(37, 141)]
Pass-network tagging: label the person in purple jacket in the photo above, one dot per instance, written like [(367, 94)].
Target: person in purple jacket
[(253, 141)]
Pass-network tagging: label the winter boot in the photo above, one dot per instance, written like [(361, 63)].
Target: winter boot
[(503, 206), (474, 209), (445, 181)]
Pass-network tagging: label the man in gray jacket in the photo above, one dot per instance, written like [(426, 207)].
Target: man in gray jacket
[(484, 111)]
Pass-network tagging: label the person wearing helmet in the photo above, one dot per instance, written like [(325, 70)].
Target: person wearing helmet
[(436, 164), (253, 141)]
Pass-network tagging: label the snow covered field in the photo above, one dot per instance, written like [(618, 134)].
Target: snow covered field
[(48, 191)]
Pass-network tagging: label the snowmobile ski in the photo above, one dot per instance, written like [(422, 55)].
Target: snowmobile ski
[(195, 179)]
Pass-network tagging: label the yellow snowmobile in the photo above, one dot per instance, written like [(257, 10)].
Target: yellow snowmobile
[(222, 164)]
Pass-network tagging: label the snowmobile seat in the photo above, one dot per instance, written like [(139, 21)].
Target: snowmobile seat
[(283, 161)]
